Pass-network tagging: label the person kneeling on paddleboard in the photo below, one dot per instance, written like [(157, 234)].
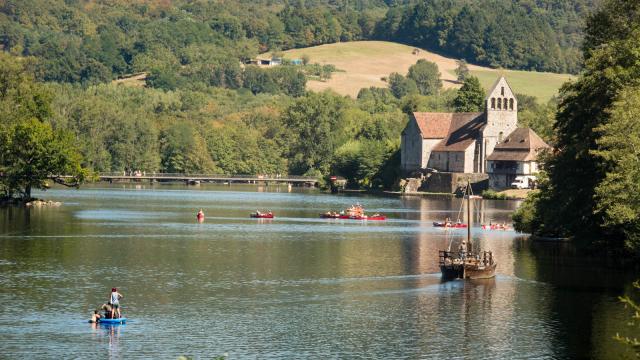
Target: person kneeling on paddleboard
[(108, 310), (115, 302)]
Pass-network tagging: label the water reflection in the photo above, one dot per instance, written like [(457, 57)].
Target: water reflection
[(295, 286)]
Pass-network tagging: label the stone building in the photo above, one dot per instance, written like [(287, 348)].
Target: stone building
[(459, 142), (515, 156)]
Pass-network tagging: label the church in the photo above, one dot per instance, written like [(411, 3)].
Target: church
[(464, 142)]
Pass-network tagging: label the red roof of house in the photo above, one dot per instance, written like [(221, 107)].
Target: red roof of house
[(523, 144)]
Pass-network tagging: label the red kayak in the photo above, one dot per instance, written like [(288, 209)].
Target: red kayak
[(364, 217), (496, 227), (262, 216), (449, 225)]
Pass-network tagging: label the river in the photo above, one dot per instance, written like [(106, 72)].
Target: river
[(294, 287)]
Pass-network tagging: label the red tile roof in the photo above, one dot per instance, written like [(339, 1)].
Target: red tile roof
[(463, 131), (433, 125)]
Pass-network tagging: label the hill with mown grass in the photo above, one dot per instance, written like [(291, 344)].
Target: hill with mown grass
[(363, 64)]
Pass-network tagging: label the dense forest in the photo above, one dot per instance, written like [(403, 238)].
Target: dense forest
[(94, 41), (543, 35), (591, 188)]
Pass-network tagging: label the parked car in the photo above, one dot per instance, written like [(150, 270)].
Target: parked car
[(524, 182)]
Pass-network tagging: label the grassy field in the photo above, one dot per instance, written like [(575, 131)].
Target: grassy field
[(539, 84), (365, 62)]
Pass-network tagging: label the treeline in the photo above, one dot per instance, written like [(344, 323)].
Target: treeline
[(181, 43), (591, 187), (193, 42), (543, 35)]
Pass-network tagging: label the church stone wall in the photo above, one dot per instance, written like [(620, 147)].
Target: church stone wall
[(411, 148), (427, 147)]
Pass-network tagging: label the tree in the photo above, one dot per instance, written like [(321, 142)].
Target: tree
[(426, 76), (581, 163), (31, 152), (618, 194), (315, 124), (401, 86), (470, 97), (462, 70)]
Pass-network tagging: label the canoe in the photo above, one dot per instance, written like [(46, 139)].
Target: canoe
[(113, 321), (364, 217), (450, 225), (262, 216), (495, 227)]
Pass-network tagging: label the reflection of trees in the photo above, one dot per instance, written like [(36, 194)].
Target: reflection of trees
[(584, 300)]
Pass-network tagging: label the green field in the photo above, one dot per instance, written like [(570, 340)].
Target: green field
[(541, 85), (365, 63)]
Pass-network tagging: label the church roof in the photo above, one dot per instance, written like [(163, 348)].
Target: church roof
[(523, 144), (440, 125), (463, 131)]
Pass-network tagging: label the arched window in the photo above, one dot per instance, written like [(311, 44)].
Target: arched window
[(493, 103), (511, 104), (505, 104), (502, 91), (499, 103), (500, 137)]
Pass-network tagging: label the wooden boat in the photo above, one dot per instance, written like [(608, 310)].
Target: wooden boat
[(467, 263), (449, 225), (259, 215)]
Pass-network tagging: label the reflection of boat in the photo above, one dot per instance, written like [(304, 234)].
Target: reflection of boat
[(467, 263), (449, 225), (259, 215)]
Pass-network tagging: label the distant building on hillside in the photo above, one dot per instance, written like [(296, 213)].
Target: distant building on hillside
[(265, 61), (463, 142)]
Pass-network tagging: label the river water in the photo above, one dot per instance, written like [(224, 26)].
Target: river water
[(293, 287)]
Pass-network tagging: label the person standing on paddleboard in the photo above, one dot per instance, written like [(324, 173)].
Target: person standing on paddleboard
[(115, 302)]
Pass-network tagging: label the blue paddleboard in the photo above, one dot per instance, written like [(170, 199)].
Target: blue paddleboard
[(113, 321)]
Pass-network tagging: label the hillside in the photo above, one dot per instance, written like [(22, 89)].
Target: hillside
[(365, 63)]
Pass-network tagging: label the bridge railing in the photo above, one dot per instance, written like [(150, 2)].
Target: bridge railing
[(187, 176)]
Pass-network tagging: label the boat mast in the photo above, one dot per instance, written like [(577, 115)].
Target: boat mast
[(468, 191)]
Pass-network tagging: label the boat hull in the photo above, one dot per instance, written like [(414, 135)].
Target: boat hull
[(375, 218), (262, 216), (445, 225), (471, 272), (485, 272), (113, 321)]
